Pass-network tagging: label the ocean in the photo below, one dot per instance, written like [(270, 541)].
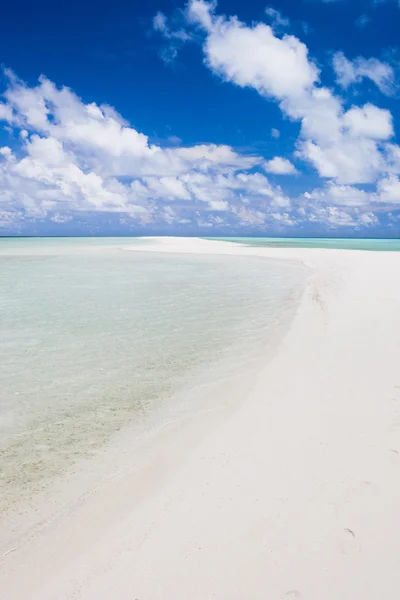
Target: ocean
[(381, 245), (95, 339)]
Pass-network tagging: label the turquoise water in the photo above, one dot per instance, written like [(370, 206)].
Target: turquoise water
[(63, 244), (94, 337), (338, 243)]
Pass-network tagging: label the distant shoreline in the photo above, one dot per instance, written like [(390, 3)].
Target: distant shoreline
[(196, 236)]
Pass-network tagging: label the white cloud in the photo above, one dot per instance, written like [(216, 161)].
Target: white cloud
[(58, 218), (280, 166), (341, 195), (247, 216), (368, 219), (200, 12), (5, 113), (339, 144), (77, 157), (276, 17), (284, 219), (99, 138), (347, 147), (6, 152), (334, 217), (369, 121), (253, 56), (357, 200), (167, 188), (218, 205), (319, 209), (350, 72), (392, 156), (160, 23), (389, 190), (343, 145), (175, 37), (320, 113), (348, 161)]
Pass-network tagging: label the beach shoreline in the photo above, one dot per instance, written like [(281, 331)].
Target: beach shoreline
[(289, 493), (37, 485)]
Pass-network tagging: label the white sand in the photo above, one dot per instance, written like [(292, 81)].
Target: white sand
[(293, 492)]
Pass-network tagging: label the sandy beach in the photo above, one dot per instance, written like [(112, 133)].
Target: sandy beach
[(291, 491)]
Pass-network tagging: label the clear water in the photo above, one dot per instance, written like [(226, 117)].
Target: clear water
[(94, 337), (338, 243), (57, 245)]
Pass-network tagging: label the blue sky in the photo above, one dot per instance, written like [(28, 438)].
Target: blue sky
[(200, 118)]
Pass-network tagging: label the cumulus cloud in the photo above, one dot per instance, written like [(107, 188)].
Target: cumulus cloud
[(385, 197), (253, 56), (160, 23), (350, 72), (340, 144), (369, 121), (344, 145), (340, 195), (334, 217), (176, 36), (347, 146), (75, 157), (349, 161), (389, 190), (276, 17), (280, 166)]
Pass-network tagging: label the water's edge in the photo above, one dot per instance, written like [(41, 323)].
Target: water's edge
[(123, 450)]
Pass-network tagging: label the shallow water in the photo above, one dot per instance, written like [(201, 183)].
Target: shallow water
[(382, 245), (94, 337)]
